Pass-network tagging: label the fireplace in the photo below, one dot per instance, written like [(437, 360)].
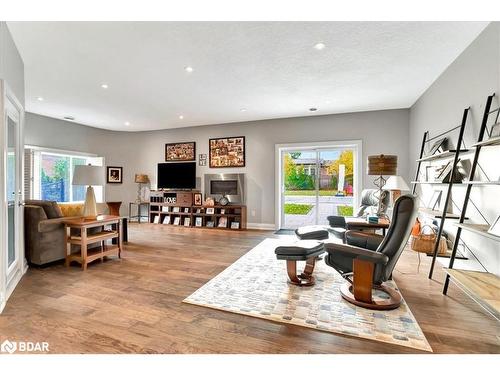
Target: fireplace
[(232, 185)]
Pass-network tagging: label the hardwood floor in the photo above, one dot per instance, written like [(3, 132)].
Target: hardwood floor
[(135, 305)]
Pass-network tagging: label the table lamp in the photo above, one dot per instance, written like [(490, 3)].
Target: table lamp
[(89, 175), (381, 165), (396, 184), (140, 179)]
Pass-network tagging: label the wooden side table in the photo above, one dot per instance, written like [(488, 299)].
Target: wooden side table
[(139, 214), (84, 239), (355, 223)]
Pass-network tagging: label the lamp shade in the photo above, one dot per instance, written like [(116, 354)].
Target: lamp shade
[(396, 183), (88, 175), (141, 178), (380, 165)]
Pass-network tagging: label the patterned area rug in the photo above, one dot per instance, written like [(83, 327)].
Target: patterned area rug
[(256, 285)]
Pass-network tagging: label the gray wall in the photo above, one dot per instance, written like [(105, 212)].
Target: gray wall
[(468, 81), (11, 64), (380, 131)]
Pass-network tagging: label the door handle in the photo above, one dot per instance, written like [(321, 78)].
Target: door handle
[(21, 204)]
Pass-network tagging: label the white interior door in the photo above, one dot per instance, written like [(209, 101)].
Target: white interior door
[(13, 262)]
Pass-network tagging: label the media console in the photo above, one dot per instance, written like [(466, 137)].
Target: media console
[(178, 208)]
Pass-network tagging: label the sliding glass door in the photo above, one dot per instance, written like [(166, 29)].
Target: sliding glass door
[(316, 182)]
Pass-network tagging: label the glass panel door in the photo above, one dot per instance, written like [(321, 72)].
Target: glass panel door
[(12, 185), (299, 191), (336, 183), (316, 183)]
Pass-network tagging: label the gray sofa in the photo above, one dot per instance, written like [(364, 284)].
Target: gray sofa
[(44, 232)]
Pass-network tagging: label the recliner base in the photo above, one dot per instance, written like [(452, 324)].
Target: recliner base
[(392, 303)]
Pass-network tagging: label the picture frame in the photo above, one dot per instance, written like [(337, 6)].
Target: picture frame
[(435, 199), (197, 199), (202, 160), (210, 224), (156, 219), (442, 171), (226, 152), (186, 210), (114, 175), (222, 222), (187, 222), (177, 220), (222, 211), (210, 211), (185, 151), (166, 220), (235, 225), (440, 145), (198, 222), (495, 130), (176, 209), (495, 227)]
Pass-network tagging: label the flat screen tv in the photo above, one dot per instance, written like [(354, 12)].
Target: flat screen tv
[(177, 175)]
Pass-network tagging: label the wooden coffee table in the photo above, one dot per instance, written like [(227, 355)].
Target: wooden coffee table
[(85, 256)]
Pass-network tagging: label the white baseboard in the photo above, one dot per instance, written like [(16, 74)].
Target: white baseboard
[(261, 226)]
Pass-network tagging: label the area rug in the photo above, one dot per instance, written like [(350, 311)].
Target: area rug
[(256, 285)]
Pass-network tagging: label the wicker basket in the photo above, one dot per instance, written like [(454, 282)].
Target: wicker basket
[(424, 243)]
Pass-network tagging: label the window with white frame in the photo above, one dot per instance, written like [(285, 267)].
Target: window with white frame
[(52, 175)]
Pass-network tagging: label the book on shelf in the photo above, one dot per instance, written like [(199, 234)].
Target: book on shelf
[(156, 219), (177, 220), (187, 222), (198, 222), (166, 219)]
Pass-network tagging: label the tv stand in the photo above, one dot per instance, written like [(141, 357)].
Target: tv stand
[(176, 207)]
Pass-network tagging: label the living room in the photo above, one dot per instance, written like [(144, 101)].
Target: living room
[(258, 187)]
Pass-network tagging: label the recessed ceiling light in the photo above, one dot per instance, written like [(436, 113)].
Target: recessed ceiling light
[(243, 110), (181, 117), (104, 86), (313, 109), (189, 69), (319, 46), (40, 99), (127, 123), (69, 118)]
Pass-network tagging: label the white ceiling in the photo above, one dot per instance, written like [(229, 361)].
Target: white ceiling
[(268, 68)]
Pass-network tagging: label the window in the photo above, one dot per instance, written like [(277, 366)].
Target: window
[(53, 173)]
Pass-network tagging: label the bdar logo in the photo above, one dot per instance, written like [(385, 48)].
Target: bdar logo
[(8, 347)]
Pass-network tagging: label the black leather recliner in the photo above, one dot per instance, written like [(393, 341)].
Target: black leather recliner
[(370, 259), (369, 205)]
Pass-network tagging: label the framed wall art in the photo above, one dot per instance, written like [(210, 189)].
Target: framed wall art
[(202, 160), (114, 175), (180, 151), (227, 152)]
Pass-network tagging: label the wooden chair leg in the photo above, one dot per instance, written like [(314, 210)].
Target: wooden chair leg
[(305, 278)]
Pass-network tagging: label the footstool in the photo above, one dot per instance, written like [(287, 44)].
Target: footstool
[(307, 250), (312, 232)]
